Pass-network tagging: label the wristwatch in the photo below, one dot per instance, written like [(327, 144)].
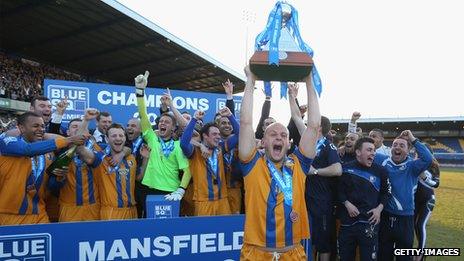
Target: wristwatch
[(315, 171)]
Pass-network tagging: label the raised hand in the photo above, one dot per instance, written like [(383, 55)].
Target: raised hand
[(293, 90), (228, 88), (141, 81), (250, 76), (407, 134), (90, 114), (166, 99), (62, 105), (225, 112), (355, 116), (199, 115)]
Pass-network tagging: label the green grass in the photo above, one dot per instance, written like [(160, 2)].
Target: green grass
[(446, 226)]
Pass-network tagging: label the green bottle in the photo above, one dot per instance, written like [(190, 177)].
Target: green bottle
[(62, 161)]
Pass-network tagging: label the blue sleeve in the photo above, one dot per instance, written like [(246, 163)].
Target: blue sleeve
[(185, 145), (232, 141), (304, 161), (231, 105), (425, 158), (235, 124), (332, 154), (246, 167), (16, 146), (380, 158)]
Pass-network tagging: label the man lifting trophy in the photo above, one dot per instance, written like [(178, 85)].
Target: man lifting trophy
[(280, 52)]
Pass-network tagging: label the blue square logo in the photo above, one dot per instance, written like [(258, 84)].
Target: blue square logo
[(26, 247), (163, 211), (78, 97)]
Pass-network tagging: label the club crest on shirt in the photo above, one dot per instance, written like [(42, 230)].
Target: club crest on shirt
[(372, 179), (130, 163)]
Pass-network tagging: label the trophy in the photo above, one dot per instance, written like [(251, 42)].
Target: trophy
[(280, 52)]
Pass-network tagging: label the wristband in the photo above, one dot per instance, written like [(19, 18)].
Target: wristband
[(139, 92)]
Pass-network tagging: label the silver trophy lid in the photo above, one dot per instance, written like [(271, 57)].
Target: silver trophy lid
[(286, 41)]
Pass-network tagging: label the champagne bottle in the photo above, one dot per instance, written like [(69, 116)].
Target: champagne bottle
[(62, 160)]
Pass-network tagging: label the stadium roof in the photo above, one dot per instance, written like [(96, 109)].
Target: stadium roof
[(106, 40), (412, 123)]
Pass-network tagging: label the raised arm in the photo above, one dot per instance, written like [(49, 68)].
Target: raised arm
[(166, 100), (294, 109), (229, 90), (352, 125), (141, 82), (309, 137), (247, 144), (185, 145), (425, 157), (265, 111), (55, 123), (232, 140)]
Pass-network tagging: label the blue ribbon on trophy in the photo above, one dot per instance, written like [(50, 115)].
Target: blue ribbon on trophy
[(282, 33)]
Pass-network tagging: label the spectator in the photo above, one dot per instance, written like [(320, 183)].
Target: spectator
[(21, 79)]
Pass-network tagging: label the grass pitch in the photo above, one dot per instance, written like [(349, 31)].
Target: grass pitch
[(446, 226)]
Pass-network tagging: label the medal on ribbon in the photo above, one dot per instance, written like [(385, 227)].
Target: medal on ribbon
[(294, 216), (213, 165), (36, 173), (167, 147), (283, 180), (136, 145)]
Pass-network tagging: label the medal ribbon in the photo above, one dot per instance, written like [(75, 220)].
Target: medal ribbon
[(110, 169), (320, 144), (212, 163), (285, 183), (36, 172), (167, 147), (136, 145)]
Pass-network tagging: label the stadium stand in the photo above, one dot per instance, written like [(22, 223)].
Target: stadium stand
[(73, 36), (444, 134), (7, 121), (21, 79)]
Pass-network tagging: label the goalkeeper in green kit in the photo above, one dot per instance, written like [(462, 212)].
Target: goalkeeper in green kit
[(166, 158)]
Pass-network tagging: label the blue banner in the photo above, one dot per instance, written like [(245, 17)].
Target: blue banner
[(195, 238), (120, 101)]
